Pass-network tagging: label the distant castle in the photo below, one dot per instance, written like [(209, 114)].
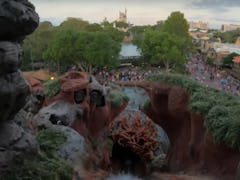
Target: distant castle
[(122, 16)]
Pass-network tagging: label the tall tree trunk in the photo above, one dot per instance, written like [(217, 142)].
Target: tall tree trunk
[(90, 69), (58, 67), (166, 63)]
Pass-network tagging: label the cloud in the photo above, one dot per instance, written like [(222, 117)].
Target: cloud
[(227, 20), (219, 5)]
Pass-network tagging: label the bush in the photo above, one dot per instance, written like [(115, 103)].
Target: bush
[(46, 165), (50, 140), (117, 98), (51, 87), (221, 110)]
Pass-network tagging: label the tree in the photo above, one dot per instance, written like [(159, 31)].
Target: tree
[(229, 36), (72, 23), (176, 24), (115, 34), (120, 24), (36, 43), (227, 61), (61, 48), (164, 48), (138, 32), (96, 49), (86, 49)]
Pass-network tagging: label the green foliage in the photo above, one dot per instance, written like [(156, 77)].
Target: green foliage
[(115, 34), (223, 121), (117, 98), (45, 166), (176, 24), (229, 36), (210, 61), (35, 44), (161, 47), (50, 140), (121, 24), (59, 44), (72, 23), (227, 61), (84, 48), (60, 48), (41, 168), (51, 87), (138, 34), (221, 110), (166, 44), (97, 49)]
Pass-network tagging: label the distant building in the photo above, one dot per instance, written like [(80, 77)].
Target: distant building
[(221, 50), (232, 48), (121, 23), (122, 16), (230, 27), (199, 25)]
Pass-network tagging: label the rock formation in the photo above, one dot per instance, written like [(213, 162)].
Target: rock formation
[(81, 103), (17, 19), (192, 147), (138, 142), (89, 97)]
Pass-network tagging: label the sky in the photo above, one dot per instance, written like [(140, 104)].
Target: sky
[(140, 12)]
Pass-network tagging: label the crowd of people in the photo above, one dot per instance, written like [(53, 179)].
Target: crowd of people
[(132, 73), (211, 75), (198, 69)]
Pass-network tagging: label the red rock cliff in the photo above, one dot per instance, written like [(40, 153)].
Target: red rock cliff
[(192, 148)]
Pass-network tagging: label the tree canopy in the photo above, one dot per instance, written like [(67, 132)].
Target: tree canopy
[(168, 43), (229, 36), (227, 61), (87, 49), (163, 48), (176, 24), (36, 43), (58, 43)]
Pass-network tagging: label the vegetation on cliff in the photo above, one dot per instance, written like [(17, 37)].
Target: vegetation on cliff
[(51, 87), (117, 98), (221, 110), (46, 165)]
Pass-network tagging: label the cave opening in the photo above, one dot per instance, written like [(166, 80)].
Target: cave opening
[(124, 160)]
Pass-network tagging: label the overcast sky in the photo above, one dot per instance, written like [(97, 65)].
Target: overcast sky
[(140, 12)]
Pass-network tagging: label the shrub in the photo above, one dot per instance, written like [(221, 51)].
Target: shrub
[(117, 97), (51, 87), (46, 165), (50, 140)]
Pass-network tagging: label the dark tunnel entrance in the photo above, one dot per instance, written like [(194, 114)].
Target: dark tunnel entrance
[(125, 160)]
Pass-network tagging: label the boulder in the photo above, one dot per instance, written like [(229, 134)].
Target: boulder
[(13, 92), (17, 18), (15, 143), (59, 112), (10, 57), (134, 130), (73, 150)]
